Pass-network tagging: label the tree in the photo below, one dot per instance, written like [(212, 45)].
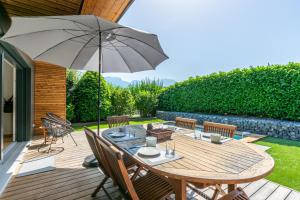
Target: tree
[(146, 94), (86, 97), (122, 102)]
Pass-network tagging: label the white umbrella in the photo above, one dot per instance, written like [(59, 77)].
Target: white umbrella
[(86, 42)]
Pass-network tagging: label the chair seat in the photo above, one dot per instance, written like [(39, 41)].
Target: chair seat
[(152, 187)]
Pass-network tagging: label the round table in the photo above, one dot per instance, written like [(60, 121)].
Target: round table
[(231, 163)]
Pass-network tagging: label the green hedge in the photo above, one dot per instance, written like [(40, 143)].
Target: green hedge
[(265, 91)]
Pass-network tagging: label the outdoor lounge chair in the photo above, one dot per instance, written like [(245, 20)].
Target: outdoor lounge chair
[(56, 130), (94, 142), (147, 187), (224, 129), (115, 121), (185, 123), (67, 125)]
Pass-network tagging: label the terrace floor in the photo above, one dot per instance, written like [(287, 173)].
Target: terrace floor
[(72, 181)]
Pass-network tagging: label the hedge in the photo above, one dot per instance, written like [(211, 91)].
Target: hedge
[(265, 91)]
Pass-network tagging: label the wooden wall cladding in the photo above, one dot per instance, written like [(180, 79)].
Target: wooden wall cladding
[(42, 7), (109, 9), (49, 92)]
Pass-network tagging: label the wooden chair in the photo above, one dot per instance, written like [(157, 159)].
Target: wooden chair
[(99, 155), (94, 143), (237, 194), (148, 187), (224, 129), (115, 121), (186, 123)]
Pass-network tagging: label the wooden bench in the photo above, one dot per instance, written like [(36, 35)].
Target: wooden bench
[(224, 129), (185, 122), (115, 121)]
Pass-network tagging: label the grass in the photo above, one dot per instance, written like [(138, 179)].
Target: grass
[(136, 121), (286, 154)]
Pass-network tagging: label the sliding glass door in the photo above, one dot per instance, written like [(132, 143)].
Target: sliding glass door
[(15, 100), (8, 104)]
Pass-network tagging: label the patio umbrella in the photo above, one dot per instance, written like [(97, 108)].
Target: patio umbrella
[(86, 42)]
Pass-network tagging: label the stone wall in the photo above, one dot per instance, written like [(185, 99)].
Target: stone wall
[(271, 127)]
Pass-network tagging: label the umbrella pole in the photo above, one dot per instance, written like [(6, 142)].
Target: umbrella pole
[(90, 161), (99, 84)]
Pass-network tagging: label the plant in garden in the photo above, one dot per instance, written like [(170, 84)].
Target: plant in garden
[(72, 78), (146, 94), (264, 91), (86, 97), (122, 102), (70, 112)]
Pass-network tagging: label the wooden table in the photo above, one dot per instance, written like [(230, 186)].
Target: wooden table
[(230, 163)]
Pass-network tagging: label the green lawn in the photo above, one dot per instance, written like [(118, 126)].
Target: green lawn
[(132, 121), (286, 154)]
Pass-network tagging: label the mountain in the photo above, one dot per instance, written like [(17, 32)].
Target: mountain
[(116, 81)]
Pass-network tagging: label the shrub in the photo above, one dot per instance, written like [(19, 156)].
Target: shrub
[(122, 102), (270, 91), (146, 103), (146, 94), (70, 112), (71, 83), (86, 96)]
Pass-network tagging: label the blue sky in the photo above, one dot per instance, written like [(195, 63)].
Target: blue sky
[(205, 36)]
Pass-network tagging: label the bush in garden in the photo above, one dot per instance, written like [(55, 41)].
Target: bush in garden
[(146, 94), (70, 112), (122, 102), (264, 91), (86, 96), (72, 78), (146, 103)]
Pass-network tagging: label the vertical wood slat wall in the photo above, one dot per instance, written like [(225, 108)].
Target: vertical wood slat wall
[(49, 92)]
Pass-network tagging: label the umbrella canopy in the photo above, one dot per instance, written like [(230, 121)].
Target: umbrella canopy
[(77, 41), (86, 42)]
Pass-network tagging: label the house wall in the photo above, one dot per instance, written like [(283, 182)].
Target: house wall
[(49, 92)]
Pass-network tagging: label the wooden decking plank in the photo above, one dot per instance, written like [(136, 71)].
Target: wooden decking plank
[(293, 196), (280, 193), (264, 192), (255, 186)]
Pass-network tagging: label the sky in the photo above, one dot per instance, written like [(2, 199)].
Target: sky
[(205, 36)]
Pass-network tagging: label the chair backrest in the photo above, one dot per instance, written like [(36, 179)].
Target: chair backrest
[(58, 118), (50, 126), (237, 194), (97, 151), (185, 122), (115, 121), (223, 129), (119, 171)]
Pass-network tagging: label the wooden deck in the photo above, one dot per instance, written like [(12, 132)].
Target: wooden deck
[(72, 181)]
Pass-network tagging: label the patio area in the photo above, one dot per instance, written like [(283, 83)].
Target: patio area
[(70, 180)]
